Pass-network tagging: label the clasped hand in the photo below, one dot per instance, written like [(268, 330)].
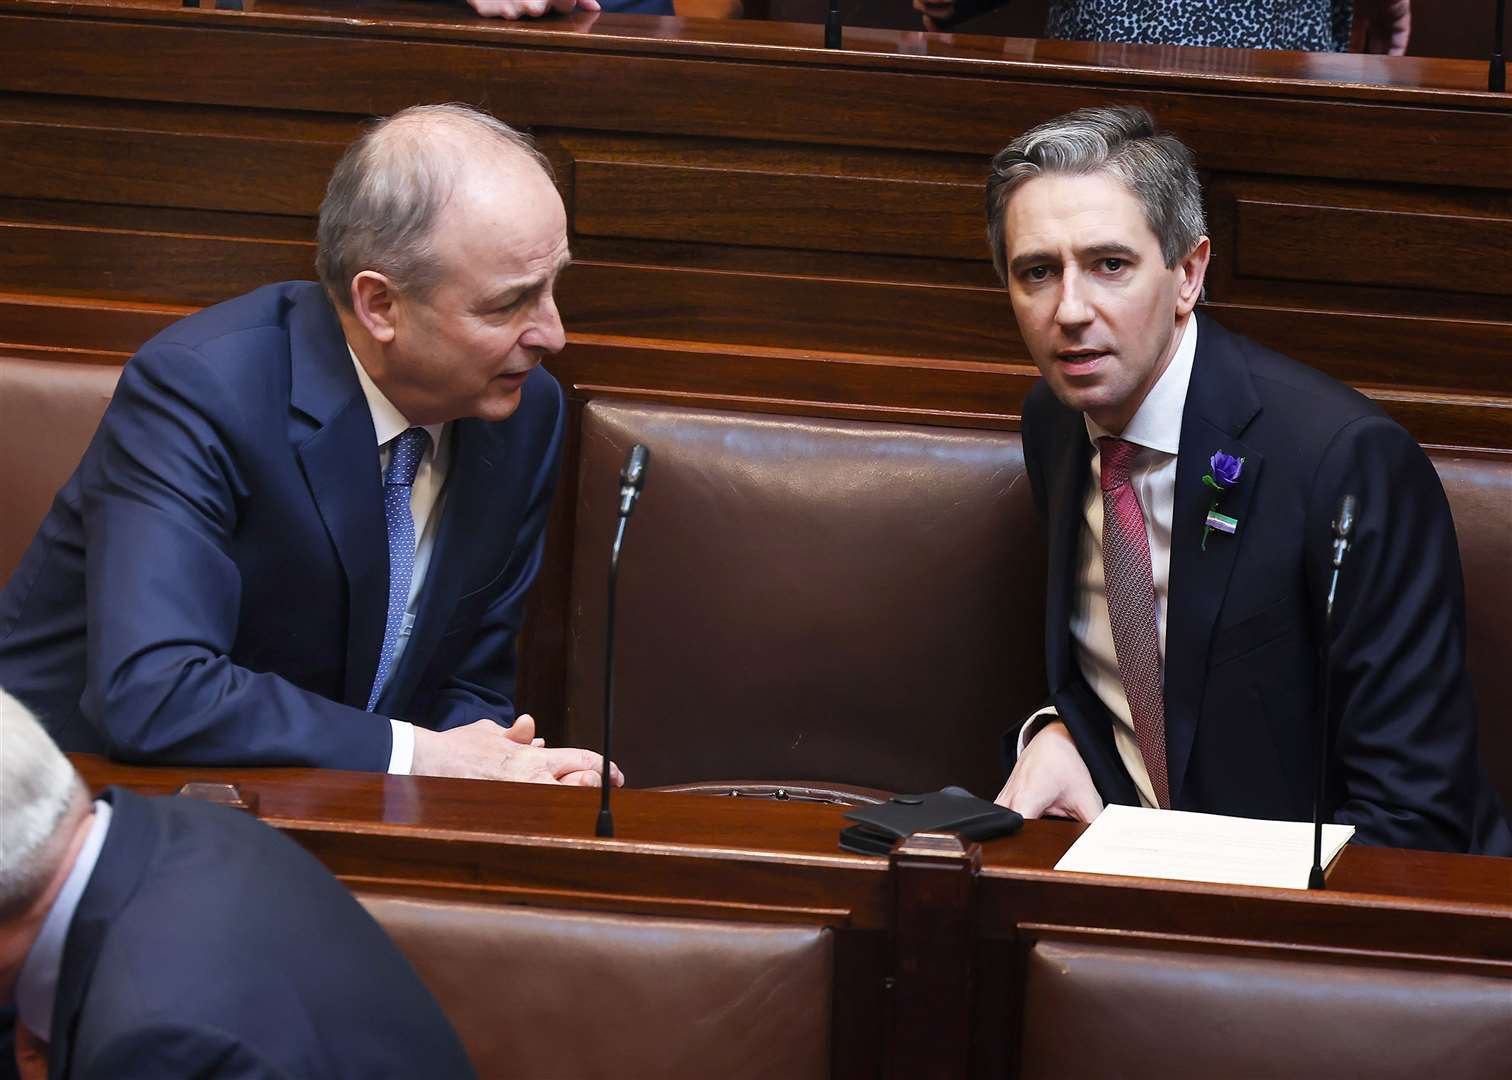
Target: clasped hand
[(485, 750), (1050, 778)]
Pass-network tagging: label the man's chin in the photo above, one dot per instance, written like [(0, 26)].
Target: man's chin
[(499, 405)]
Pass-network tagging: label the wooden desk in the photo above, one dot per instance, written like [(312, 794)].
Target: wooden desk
[(931, 943)]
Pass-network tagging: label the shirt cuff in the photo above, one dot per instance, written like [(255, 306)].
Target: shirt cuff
[(402, 756), (1028, 731)]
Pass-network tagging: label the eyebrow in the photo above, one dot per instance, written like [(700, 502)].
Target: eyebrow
[(520, 286), (1109, 250)]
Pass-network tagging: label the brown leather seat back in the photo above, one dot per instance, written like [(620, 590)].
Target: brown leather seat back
[(1094, 1008), (546, 993), (807, 598), (1480, 496), (49, 410)]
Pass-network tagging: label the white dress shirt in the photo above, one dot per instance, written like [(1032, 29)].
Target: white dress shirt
[(37, 985), (1156, 429), (426, 498)]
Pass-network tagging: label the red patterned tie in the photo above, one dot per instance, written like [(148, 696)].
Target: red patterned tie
[(1131, 608)]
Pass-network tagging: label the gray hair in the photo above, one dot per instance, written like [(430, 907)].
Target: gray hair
[(388, 189), (38, 786), (1120, 141)]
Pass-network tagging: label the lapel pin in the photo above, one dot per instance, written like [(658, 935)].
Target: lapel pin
[(1223, 473)]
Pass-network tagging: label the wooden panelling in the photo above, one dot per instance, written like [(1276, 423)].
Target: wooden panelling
[(789, 312), (1438, 252), (753, 195), (155, 168), (803, 98), (121, 264)]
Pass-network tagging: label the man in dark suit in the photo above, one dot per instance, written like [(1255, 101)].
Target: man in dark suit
[(304, 531), (1188, 478), (171, 938)]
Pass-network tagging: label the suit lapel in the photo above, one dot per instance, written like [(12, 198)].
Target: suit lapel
[(1068, 483), (124, 858), (471, 495), (340, 461), (1220, 404)]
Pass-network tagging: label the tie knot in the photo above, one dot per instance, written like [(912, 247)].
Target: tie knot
[(404, 457), (1117, 461)]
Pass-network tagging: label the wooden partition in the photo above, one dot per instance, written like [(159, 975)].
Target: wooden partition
[(758, 223), (936, 946)]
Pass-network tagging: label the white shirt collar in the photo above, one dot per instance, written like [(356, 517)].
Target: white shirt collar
[(1157, 424), (388, 421), (37, 985)]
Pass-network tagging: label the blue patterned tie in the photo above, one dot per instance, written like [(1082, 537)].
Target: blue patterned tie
[(398, 478)]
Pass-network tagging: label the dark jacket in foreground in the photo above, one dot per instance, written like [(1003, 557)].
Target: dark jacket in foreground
[(206, 944)]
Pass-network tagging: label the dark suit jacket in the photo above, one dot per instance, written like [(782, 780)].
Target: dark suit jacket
[(211, 584), (207, 944), (1245, 617)]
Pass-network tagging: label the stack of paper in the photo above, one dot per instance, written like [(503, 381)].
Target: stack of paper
[(1137, 842)]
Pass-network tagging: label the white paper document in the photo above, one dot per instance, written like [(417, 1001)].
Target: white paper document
[(1139, 842)]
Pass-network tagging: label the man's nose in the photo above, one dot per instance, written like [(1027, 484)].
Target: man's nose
[(547, 333), (1072, 308)]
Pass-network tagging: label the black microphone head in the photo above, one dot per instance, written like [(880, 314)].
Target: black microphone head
[(634, 472), (1344, 523)]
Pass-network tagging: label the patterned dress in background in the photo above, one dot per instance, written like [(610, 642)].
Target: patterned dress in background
[(1300, 25)]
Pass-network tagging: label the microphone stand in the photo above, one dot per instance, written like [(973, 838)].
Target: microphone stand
[(1343, 525), (832, 26), (1496, 79), (631, 479)]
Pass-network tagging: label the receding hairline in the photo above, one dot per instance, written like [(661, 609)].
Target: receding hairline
[(458, 141)]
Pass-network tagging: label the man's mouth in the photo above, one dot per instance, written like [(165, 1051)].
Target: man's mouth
[(1079, 361)]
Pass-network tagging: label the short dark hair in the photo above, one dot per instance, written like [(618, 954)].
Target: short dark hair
[(1118, 140)]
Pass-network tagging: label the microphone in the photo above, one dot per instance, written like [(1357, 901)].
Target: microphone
[(1496, 79), (632, 478), (1343, 528)]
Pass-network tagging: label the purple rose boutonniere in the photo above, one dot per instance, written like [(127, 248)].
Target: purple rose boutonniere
[(1223, 473)]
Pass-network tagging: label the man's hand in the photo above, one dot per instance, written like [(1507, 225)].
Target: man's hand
[(1051, 778), (1381, 26), (483, 750), (935, 12), (529, 9)]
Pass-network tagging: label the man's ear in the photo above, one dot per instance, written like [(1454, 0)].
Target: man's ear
[(375, 303), (1193, 270)]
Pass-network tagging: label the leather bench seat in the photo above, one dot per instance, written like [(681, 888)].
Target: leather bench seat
[(1101, 1009), (546, 993), (848, 603), (49, 410), (858, 603)]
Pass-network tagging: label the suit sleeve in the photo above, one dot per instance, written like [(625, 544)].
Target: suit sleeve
[(163, 1049), (482, 685), (1404, 770), (159, 503)]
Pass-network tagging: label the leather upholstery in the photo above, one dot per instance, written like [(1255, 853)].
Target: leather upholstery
[(49, 410), (852, 602), (1480, 497), (832, 644), (1095, 1008), (548, 993)]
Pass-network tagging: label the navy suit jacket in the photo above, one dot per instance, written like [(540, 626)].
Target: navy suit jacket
[(1245, 617), (211, 585), (207, 944)]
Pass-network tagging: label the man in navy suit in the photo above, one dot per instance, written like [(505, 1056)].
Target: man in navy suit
[(171, 938), (304, 531), (1188, 479)]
